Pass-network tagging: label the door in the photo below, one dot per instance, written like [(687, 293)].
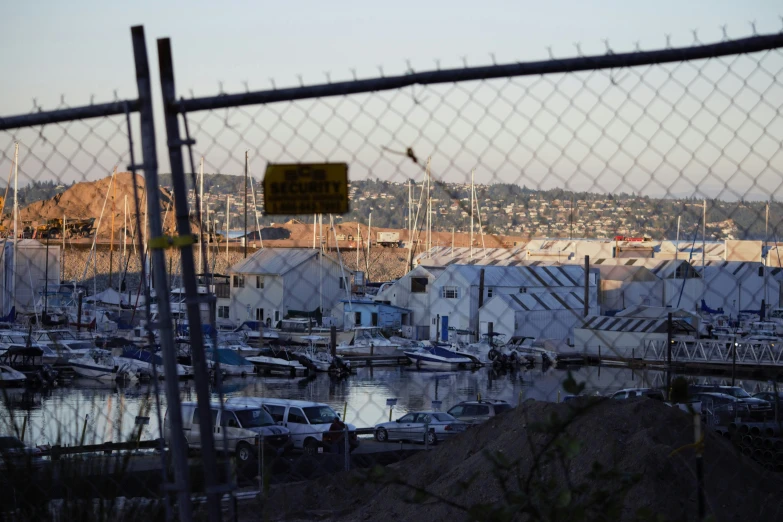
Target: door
[(227, 427), (444, 328), (300, 429), (418, 426), (194, 437), (401, 428)]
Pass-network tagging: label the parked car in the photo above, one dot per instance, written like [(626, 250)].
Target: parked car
[(712, 403), (633, 393), (756, 406), (245, 427), (307, 421), (14, 452), (476, 412), (770, 397), (425, 426)]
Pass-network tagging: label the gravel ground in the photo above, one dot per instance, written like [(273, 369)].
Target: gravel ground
[(633, 437)]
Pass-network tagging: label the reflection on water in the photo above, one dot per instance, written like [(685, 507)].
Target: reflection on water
[(94, 412)]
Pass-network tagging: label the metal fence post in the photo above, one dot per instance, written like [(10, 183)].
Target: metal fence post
[(347, 443), (178, 446), (200, 373)]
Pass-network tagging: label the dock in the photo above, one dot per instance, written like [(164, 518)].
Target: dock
[(376, 360)]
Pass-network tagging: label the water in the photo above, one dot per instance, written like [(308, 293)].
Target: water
[(91, 412)]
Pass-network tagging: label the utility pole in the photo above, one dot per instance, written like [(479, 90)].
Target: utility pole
[(246, 204)]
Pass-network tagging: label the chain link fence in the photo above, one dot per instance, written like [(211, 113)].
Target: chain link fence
[(523, 240)]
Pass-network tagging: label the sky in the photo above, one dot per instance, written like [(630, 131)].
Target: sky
[(74, 51)]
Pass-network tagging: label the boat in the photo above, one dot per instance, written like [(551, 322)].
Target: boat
[(440, 358), (762, 331), (29, 360), (293, 331), (146, 364), (277, 361), (321, 360), (231, 363), (368, 340), (11, 377), (101, 365), (531, 349), (255, 332), (486, 351)]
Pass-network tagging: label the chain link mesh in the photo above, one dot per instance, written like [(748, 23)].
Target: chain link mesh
[(513, 242)]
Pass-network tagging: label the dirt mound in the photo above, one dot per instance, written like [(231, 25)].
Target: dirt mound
[(631, 441), (86, 200)]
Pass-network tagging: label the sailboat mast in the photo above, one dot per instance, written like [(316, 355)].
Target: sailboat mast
[(111, 231), (124, 228), (201, 214), (228, 220), (255, 210), (429, 211), (472, 205), (16, 219), (62, 257), (245, 205), (703, 243), (369, 242)]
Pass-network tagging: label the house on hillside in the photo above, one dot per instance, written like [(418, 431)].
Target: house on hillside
[(461, 290), (274, 283)]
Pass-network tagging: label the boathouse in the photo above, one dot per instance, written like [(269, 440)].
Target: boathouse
[(274, 282)]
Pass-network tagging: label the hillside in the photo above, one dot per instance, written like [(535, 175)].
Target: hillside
[(505, 210)]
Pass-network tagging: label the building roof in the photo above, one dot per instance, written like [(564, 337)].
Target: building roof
[(527, 302), (276, 261), (521, 276), (379, 304), (633, 324)]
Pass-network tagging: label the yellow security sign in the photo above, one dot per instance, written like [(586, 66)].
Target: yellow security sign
[(306, 188)]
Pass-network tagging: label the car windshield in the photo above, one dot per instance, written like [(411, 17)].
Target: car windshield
[(320, 414), (737, 392), (444, 417), (254, 418)]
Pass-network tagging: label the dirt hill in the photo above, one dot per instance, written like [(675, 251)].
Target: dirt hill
[(86, 200), (611, 447)]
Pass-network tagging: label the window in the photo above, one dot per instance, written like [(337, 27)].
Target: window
[(522, 290), (482, 410), (259, 281), (196, 419), (259, 314), (239, 281), (450, 292), (408, 418), (456, 411), (357, 318), (277, 412), (374, 316), (419, 285), (320, 414), (229, 420), (342, 283), (296, 415), (222, 312), (489, 292), (277, 315)]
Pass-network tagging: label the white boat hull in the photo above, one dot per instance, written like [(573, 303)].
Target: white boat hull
[(276, 365)]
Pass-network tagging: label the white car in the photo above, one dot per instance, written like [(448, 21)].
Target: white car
[(307, 421)]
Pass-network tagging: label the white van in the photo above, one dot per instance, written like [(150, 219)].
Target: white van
[(307, 421), (244, 426)]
